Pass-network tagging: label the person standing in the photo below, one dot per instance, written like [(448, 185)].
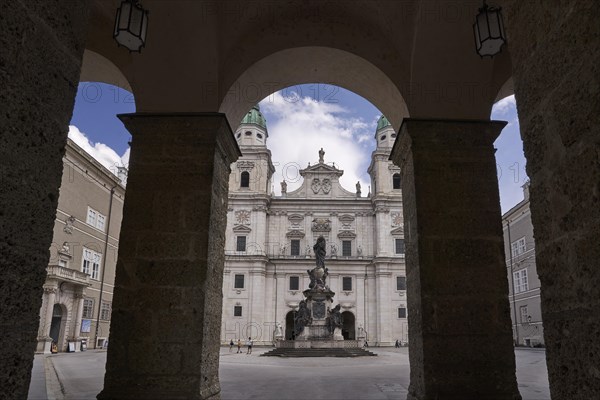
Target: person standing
[(239, 345), (249, 343), (397, 344), (230, 345)]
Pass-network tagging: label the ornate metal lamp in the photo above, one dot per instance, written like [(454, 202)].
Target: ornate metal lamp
[(489, 31), (131, 24)]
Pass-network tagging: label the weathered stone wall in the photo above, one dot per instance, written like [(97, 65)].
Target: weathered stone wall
[(167, 303), (555, 51), (458, 311), (42, 47)]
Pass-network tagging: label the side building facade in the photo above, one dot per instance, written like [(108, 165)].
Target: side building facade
[(77, 299)]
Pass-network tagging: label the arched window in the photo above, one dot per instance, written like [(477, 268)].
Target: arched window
[(245, 179), (396, 181)]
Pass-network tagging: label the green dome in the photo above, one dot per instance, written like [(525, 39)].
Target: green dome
[(383, 122), (254, 116)]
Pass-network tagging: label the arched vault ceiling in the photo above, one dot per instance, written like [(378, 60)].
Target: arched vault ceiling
[(198, 50)]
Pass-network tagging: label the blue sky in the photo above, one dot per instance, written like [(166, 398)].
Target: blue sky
[(331, 117)]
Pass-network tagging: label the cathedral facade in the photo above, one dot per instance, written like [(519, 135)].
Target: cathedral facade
[(270, 238)]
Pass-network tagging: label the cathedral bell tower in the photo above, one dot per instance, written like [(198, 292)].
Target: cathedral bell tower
[(386, 196), (253, 171)]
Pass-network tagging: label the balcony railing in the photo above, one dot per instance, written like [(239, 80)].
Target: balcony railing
[(68, 275)]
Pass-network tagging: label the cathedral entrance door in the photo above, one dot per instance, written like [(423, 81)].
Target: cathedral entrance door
[(348, 328), (289, 325)]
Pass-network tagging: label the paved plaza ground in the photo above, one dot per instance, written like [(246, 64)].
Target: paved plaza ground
[(80, 376)]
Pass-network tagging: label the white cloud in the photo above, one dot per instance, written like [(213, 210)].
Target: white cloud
[(299, 127), (99, 151), (504, 107)]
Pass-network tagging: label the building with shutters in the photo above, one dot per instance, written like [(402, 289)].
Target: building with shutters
[(269, 242)]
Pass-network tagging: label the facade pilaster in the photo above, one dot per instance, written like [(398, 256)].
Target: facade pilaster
[(78, 302), (44, 340), (168, 289), (457, 288)]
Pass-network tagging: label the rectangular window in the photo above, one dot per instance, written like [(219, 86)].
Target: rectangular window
[(100, 222), (396, 181), (347, 283), (346, 248), (88, 309), (399, 246), (238, 282), (518, 247), (295, 247), (95, 219), (520, 281), (105, 311), (401, 312), (241, 243), (92, 216), (91, 263), (237, 311), (294, 283), (524, 313), (400, 283)]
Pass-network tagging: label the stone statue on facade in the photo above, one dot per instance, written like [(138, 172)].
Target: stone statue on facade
[(335, 319), (333, 250), (358, 192), (283, 187), (68, 228), (302, 319), (278, 334), (359, 250), (307, 250), (321, 156), (282, 250)]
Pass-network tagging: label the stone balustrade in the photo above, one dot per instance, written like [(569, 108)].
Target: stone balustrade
[(67, 274)]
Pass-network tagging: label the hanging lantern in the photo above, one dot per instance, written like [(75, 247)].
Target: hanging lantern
[(489, 31), (131, 24)]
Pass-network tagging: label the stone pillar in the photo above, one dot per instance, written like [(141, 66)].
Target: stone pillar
[(459, 317), (78, 314), (44, 340), (555, 56), (167, 304), (42, 47), (51, 299)]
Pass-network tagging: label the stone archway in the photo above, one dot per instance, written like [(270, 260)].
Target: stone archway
[(349, 326), (290, 325), (309, 65)]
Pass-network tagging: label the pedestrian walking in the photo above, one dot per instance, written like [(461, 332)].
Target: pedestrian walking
[(230, 345), (397, 344), (249, 343), (239, 344)]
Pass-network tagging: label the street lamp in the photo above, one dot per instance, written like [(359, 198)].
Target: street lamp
[(489, 31), (131, 25)]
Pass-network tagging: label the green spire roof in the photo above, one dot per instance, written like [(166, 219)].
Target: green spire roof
[(254, 116), (383, 122)]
